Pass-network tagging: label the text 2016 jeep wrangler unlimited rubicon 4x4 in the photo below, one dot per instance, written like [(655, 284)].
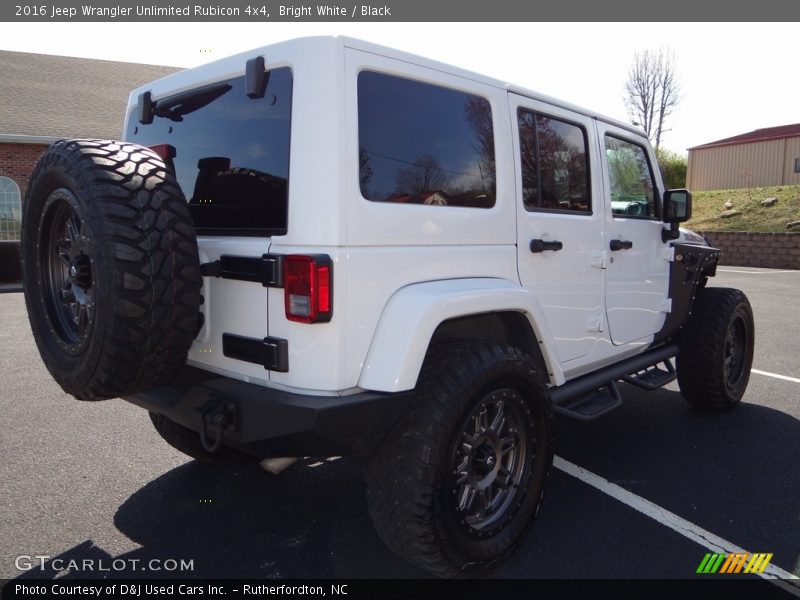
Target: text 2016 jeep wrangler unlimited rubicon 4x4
[(326, 247)]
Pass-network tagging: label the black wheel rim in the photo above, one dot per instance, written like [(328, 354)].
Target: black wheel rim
[(735, 350), (67, 270), (490, 462)]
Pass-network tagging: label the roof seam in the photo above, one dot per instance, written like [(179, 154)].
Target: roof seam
[(757, 135)]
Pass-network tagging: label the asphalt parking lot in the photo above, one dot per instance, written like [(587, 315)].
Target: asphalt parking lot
[(94, 480)]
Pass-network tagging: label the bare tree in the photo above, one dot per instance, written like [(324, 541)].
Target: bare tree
[(426, 175), (479, 116), (652, 91), (365, 171)]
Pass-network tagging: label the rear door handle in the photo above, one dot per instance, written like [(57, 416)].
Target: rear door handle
[(541, 245), (620, 245)]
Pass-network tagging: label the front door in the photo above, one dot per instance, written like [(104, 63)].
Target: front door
[(637, 274), (560, 222)]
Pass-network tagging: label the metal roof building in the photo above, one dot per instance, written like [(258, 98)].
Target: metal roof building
[(760, 158)]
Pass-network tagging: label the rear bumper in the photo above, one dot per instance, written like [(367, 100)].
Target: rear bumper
[(266, 422)]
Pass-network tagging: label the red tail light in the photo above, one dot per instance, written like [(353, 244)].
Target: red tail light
[(308, 288)]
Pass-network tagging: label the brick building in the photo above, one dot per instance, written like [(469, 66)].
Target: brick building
[(44, 98)]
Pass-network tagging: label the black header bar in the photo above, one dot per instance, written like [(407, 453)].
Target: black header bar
[(255, 11)]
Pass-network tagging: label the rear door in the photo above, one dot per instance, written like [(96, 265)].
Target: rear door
[(230, 153), (637, 275), (560, 221)]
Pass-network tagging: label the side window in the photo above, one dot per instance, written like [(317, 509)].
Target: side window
[(424, 144), (10, 209), (630, 179), (555, 169)]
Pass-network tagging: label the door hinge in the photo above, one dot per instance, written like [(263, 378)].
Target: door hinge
[(668, 253), (266, 269), (271, 352), (595, 323), (598, 259), (666, 306)]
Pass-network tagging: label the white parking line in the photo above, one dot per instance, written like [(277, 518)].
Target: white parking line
[(714, 543), (755, 272), (775, 375)]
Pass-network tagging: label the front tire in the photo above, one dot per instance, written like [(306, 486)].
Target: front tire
[(716, 349), (458, 483)]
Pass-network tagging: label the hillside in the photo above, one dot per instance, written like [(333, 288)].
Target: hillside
[(707, 207)]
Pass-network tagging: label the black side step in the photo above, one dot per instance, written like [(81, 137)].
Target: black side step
[(653, 377), (592, 405), (582, 399)]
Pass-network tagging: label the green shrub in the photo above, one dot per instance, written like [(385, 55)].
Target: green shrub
[(673, 168)]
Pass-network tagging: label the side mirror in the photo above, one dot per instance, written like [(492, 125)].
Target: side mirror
[(677, 206)]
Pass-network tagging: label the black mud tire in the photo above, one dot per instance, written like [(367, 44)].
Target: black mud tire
[(110, 268), (187, 441), (416, 503), (716, 349)]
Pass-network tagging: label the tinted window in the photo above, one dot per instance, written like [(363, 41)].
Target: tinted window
[(424, 144), (555, 172), (232, 155), (630, 179)]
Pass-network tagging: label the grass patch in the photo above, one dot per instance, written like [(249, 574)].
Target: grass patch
[(707, 206)]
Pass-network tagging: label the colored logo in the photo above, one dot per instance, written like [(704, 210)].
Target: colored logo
[(737, 562)]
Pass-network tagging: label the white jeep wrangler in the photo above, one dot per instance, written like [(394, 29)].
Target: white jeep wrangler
[(326, 247)]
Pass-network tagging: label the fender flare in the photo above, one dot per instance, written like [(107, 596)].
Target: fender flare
[(413, 313)]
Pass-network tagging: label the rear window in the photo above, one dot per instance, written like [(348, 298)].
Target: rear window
[(424, 144), (231, 154)]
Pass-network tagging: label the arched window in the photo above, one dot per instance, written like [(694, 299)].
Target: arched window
[(10, 209)]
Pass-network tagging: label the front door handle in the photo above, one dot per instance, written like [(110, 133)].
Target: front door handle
[(541, 246), (620, 245)]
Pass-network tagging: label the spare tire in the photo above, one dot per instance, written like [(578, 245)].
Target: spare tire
[(110, 268)]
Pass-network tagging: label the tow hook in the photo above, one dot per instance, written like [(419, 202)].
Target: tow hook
[(219, 416)]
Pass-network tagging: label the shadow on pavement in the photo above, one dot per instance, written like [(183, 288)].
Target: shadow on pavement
[(238, 521), (734, 474)]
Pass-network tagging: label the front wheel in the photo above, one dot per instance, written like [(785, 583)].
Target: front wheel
[(716, 349), (459, 482)]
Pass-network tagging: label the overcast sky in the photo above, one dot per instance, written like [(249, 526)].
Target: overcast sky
[(734, 77)]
